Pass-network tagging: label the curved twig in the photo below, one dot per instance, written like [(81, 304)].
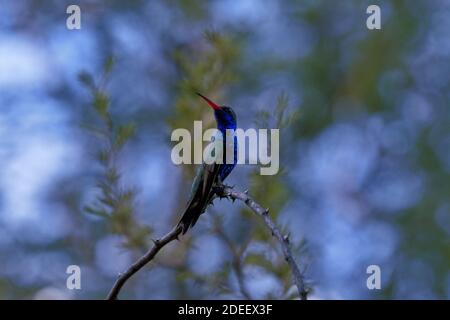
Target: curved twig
[(146, 258), (223, 191), (226, 191)]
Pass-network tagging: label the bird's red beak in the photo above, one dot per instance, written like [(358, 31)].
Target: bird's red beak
[(211, 104)]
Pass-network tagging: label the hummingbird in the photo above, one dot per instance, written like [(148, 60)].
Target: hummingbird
[(214, 172)]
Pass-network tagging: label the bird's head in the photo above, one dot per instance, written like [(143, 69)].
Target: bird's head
[(225, 116)]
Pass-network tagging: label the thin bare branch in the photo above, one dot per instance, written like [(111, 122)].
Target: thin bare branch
[(233, 194), (146, 258), (222, 191)]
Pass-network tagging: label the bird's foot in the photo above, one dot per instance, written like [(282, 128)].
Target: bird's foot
[(219, 191), (225, 186), (220, 188)]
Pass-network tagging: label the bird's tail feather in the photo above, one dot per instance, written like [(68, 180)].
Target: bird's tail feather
[(193, 211), (201, 197), (188, 220)]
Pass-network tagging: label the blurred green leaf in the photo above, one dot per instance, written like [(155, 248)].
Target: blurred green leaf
[(101, 104), (125, 133)]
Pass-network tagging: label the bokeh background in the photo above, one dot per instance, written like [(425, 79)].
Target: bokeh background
[(85, 123)]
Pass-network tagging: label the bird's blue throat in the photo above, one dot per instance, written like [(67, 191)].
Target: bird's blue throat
[(226, 121)]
